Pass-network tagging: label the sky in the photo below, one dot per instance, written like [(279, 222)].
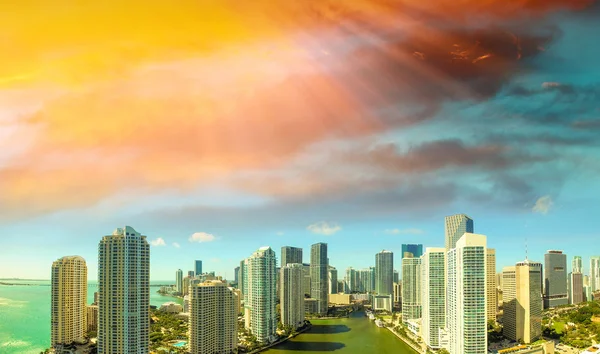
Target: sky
[(218, 127)]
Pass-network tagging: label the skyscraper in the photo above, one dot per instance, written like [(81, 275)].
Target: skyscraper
[(433, 295), (241, 279), (577, 265), (123, 293), (236, 275), (396, 276), (333, 280), (576, 293), (352, 279), (492, 298), (319, 282), (366, 277), (415, 249), (290, 254), (594, 274), (69, 298), (411, 287), (306, 281), (179, 281), (191, 274), (198, 267), (555, 279), (260, 295), (456, 226), (522, 299), (467, 295), (292, 296), (384, 273), (213, 317)]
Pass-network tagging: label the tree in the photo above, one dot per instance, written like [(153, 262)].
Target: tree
[(443, 351)]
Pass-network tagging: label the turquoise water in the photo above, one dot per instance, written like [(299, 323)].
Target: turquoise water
[(25, 314), (180, 344)]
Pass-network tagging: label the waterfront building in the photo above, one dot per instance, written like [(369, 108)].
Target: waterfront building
[(319, 282), (186, 285), (292, 296), (577, 265), (522, 301), (466, 295), (415, 249), (382, 303), (179, 281), (241, 285), (306, 280), (555, 279), (213, 318), (352, 280), (384, 273), (311, 306), (340, 299), (397, 293), (236, 276), (576, 291), (333, 282), (260, 297), (198, 267), (171, 307), (492, 300), (186, 304), (92, 318), (456, 226), (290, 254), (68, 299), (411, 287), (124, 293), (366, 280), (433, 295), (594, 277), (396, 276)]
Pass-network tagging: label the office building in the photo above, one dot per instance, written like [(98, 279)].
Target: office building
[(123, 293), (433, 295), (397, 293), (213, 318), (352, 280), (492, 299), (466, 295), (555, 279), (384, 273), (236, 276), (92, 318), (69, 297), (576, 291), (306, 281), (594, 274), (382, 302), (577, 265), (260, 297), (179, 281), (292, 296), (522, 301), (366, 280), (411, 288), (290, 254), (415, 249), (186, 285), (191, 274), (319, 282), (396, 276), (456, 226), (333, 280), (198, 267), (241, 285)]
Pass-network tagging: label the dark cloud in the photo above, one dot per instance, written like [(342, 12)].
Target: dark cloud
[(586, 124)]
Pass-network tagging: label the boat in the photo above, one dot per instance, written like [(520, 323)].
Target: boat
[(379, 323)]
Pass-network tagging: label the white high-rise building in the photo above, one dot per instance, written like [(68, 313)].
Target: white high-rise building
[(467, 295), (411, 288), (260, 298), (433, 295), (577, 265), (69, 299), (179, 281), (594, 274), (213, 317), (292, 296), (123, 293), (492, 297)]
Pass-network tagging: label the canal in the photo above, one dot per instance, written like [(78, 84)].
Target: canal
[(346, 335)]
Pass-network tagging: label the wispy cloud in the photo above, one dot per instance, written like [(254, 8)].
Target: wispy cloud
[(201, 237), (324, 228), (543, 205), (404, 231), (176, 245), (158, 242)]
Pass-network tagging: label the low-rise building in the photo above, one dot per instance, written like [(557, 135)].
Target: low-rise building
[(171, 307), (382, 303), (310, 306), (340, 299)]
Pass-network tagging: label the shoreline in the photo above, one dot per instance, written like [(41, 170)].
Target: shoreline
[(410, 344), (280, 341)]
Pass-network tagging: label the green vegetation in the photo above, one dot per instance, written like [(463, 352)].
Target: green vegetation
[(165, 329), (494, 332), (573, 325)]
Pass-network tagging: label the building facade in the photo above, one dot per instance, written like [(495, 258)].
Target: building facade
[(333, 280), (179, 281), (198, 267), (433, 295), (92, 318), (577, 265), (290, 254), (415, 249), (456, 226), (123, 293), (69, 298), (292, 296), (576, 292), (260, 297), (555, 279), (411, 288), (213, 318), (384, 273), (594, 274), (467, 295), (319, 276), (397, 293), (492, 299)]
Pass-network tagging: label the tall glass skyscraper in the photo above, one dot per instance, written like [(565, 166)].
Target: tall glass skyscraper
[(411, 288), (594, 274), (260, 295), (555, 279), (198, 267), (123, 293), (416, 250), (456, 226), (179, 281), (290, 254), (384, 273), (319, 276)]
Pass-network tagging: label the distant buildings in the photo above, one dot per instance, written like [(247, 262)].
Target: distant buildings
[(236, 275), (576, 293), (555, 279), (171, 307), (397, 293), (92, 318), (69, 298), (433, 295), (179, 281), (522, 301), (191, 274), (124, 293), (577, 265), (352, 280), (366, 280), (319, 282), (213, 318), (306, 280), (198, 267), (292, 296), (492, 299), (290, 254), (415, 249), (594, 274), (467, 294), (455, 227), (333, 280), (260, 296), (384, 273), (411, 287)]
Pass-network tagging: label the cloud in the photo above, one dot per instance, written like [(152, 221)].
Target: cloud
[(201, 237), (158, 242), (404, 231), (324, 228), (176, 245), (543, 205)]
